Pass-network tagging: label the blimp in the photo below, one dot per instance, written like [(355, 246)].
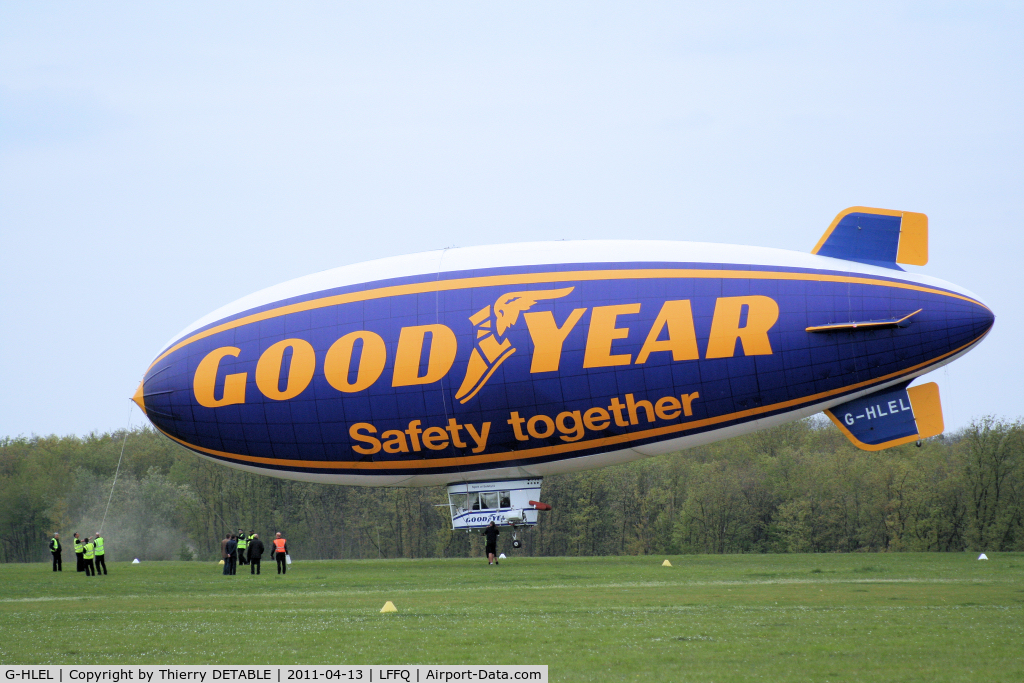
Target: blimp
[(488, 368)]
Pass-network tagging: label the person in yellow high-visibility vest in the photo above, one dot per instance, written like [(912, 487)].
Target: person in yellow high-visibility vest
[(243, 543), (87, 555), (101, 562), (55, 550), (79, 549)]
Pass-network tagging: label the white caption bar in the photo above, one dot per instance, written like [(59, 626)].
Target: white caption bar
[(419, 673)]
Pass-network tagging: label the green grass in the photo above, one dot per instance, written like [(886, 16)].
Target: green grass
[(907, 617)]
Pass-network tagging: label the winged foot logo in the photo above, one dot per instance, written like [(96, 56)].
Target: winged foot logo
[(490, 349)]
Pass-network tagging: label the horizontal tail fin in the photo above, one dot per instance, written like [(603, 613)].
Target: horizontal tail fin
[(890, 417), (884, 324), (879, 237)]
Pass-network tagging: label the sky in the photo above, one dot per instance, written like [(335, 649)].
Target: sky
[(158, 161)]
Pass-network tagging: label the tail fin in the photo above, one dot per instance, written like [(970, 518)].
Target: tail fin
[(879, 237), (890, 417)]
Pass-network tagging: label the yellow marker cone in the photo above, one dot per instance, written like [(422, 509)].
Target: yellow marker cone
[(666, 563), (388, 607), (221, 562)]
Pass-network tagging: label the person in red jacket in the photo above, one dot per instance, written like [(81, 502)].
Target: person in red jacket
[(280, 553)]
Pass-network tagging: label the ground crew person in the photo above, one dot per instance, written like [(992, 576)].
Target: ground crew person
[(87, 555), (255, 554), (243, 543), (280, 553), (79, 549), (232, 561), (101, 563), (491, 546), (55, 549), (224, 554)]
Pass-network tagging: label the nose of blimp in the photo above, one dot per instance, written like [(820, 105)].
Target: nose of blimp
[(968, 320), (946, 322), (982, 315), (988, 319), (140, 401)]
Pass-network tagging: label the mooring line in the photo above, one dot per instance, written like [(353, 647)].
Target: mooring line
[(127, 430)]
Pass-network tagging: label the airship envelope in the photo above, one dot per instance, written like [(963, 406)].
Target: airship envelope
[(516, 361)]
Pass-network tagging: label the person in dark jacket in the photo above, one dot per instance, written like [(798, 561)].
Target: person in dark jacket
[(224, 554), (255, 553), (491, 532), (56, 551), (232, 560)]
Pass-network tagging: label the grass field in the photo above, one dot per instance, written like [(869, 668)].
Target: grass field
[(900, 616)]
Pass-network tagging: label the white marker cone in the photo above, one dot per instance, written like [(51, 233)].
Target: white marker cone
[(502, 557), (983, 556), (136, 561)]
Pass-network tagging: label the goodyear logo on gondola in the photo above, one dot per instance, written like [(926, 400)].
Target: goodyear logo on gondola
[(743, 319)]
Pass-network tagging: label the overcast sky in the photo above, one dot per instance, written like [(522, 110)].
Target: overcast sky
[(160, 160)]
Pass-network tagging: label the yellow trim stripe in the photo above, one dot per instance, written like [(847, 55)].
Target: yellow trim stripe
[(541, 278), (555, 450)]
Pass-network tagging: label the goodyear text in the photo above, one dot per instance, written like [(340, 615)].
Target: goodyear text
[(424, 354)]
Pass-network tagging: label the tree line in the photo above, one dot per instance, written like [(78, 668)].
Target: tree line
[(800, 487)]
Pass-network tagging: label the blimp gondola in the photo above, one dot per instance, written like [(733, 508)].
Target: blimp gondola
[(487, 368)]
